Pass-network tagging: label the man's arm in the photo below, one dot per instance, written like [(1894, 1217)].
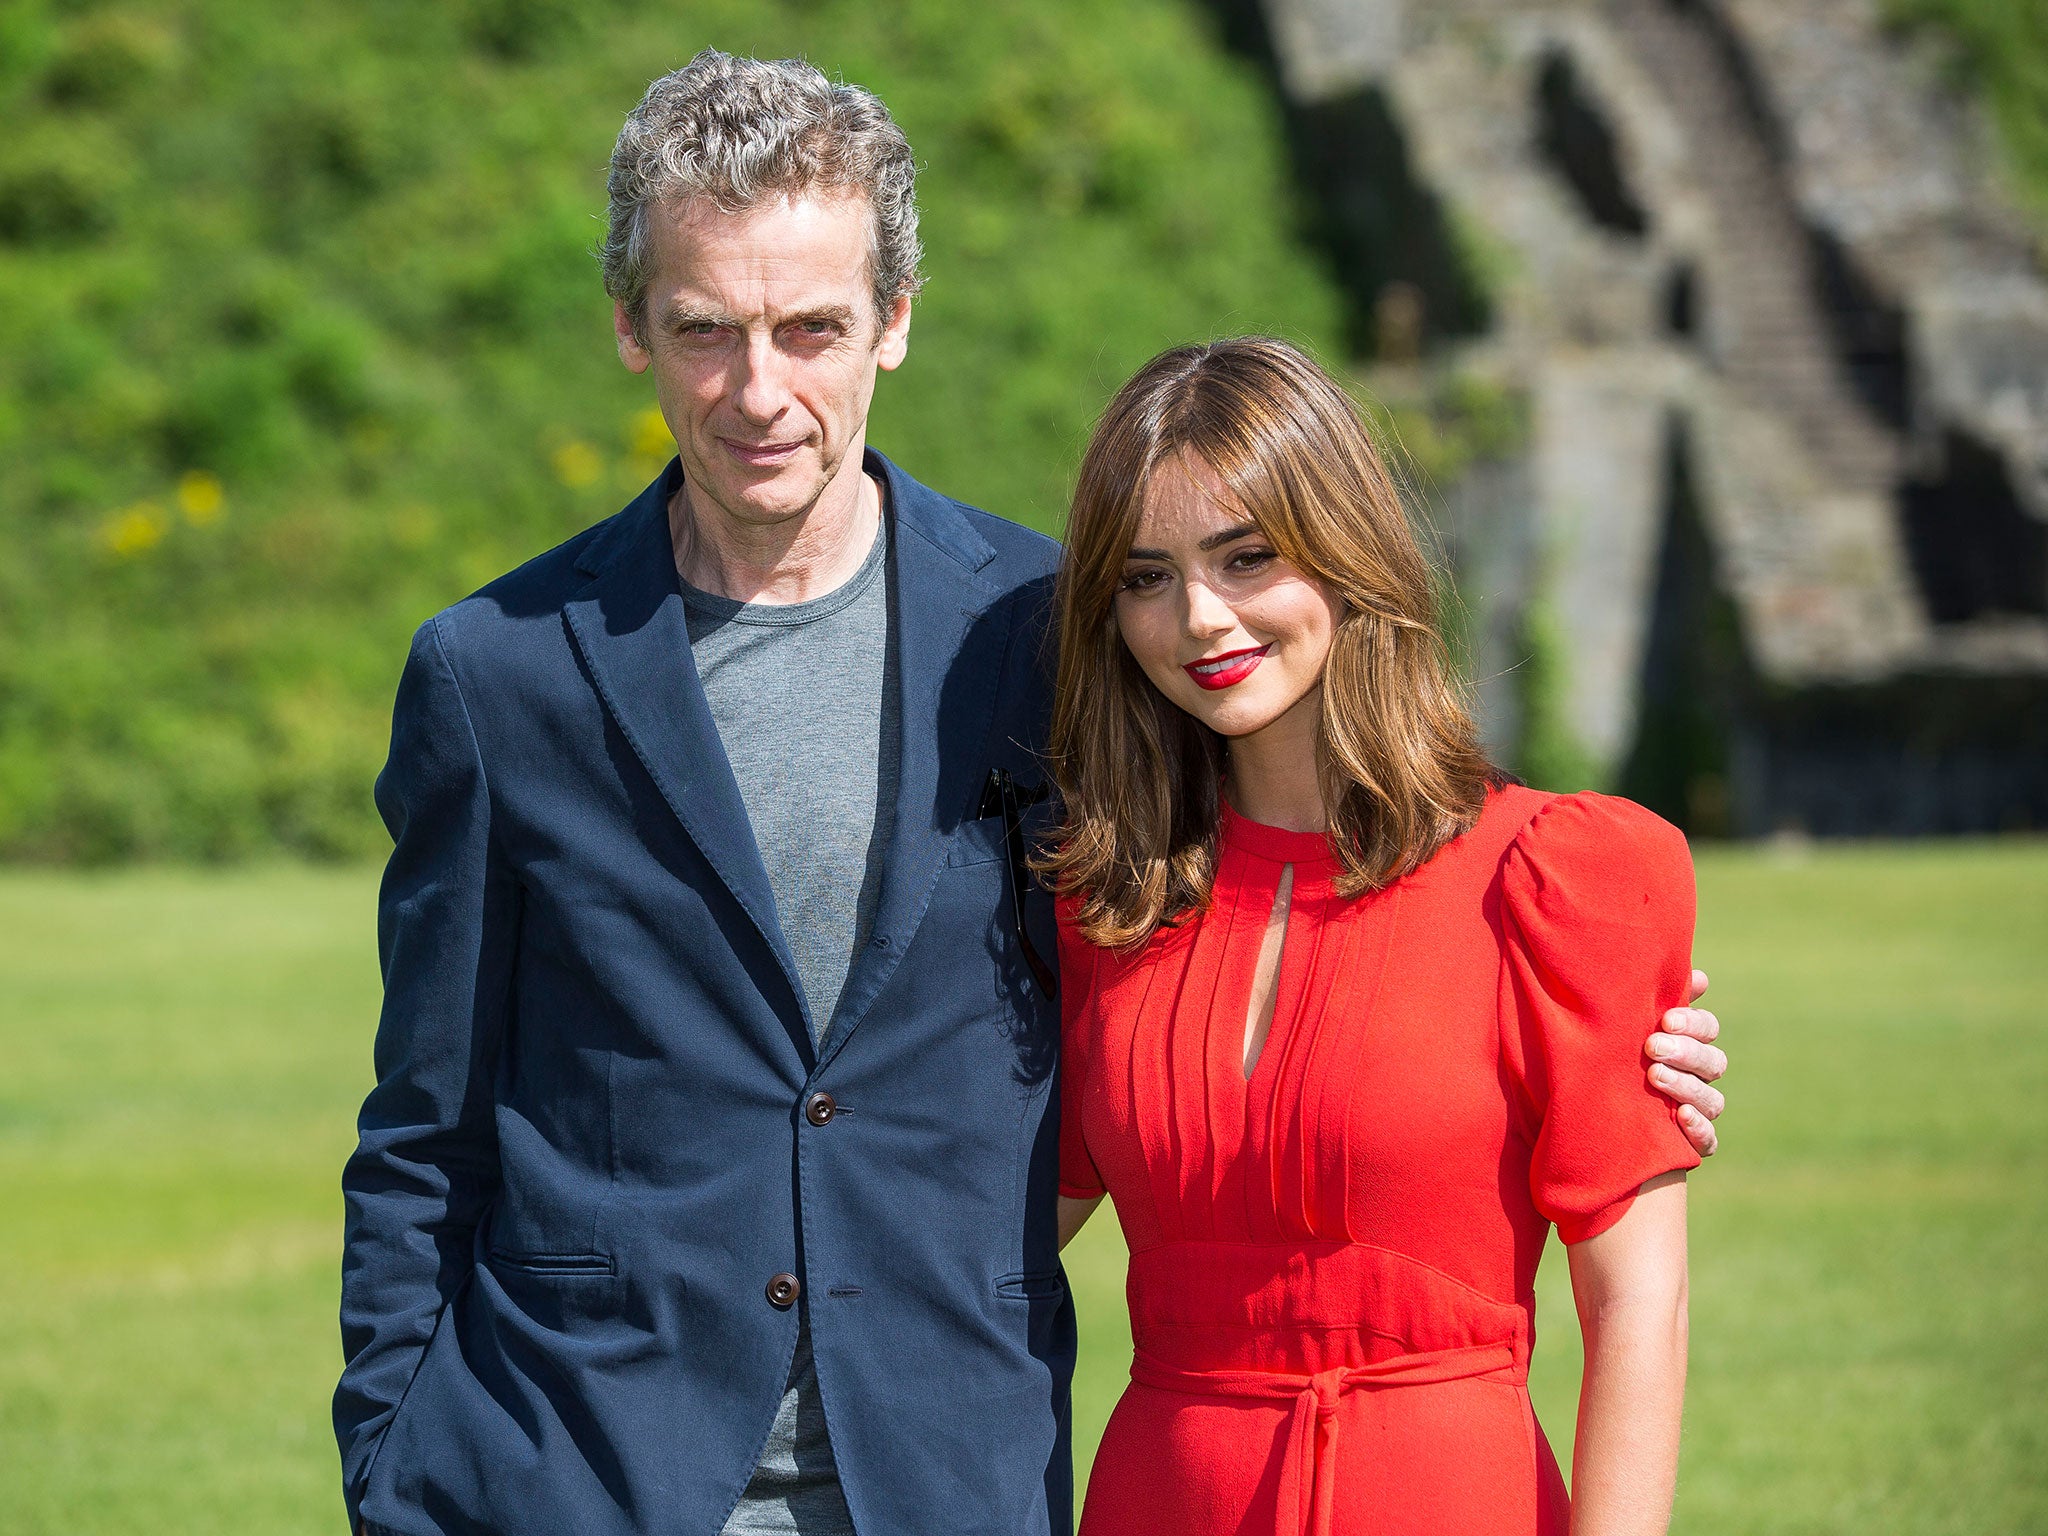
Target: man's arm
[(426, 1163), (1685, 1063)]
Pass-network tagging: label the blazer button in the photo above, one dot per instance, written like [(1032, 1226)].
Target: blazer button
[(819, 1108), (783, 1291)]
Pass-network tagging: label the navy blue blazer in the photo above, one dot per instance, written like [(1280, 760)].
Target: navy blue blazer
[(587, 1160)]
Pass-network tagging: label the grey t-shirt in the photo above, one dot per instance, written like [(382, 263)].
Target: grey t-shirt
[(804, 701), (800, 695)]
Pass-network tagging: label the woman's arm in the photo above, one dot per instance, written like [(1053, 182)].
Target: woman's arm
[(1074, 1216), (1629, 1285)]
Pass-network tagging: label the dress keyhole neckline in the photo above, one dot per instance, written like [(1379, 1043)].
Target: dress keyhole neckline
[(1262, 1005)]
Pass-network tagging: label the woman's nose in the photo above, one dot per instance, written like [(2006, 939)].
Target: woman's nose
[(1207, 613)]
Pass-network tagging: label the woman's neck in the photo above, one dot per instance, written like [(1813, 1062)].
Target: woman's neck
[(1273, 771)]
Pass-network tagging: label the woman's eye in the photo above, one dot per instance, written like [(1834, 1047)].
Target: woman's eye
[(1246, 560), (1140, 581)]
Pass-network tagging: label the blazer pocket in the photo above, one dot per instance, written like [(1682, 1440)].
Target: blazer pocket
[(978, 842), (1034, 1287), (553, 1263)]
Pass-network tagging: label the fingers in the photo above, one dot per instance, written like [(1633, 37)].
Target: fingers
[(1697, 1023), (1683, 1056), (1685, 1088), (1686, 1063), (1699, 1130)]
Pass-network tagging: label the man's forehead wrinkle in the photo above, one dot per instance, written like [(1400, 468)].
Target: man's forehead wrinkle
[(772, 283), (807, 220), (706, 207)]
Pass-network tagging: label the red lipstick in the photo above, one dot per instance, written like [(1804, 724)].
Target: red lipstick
[(1227, 670)]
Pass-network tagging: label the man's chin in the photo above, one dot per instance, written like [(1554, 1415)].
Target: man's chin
[(770, 499)]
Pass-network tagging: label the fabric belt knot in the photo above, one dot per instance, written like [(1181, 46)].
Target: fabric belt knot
[(1308, 1489)]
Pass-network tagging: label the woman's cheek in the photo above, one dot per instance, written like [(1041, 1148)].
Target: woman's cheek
[(1142, 639)]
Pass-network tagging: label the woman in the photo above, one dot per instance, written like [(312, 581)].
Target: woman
[(1351, 1019)]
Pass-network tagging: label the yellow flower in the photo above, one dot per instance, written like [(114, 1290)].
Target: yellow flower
[(134, 530), (649, 435), (201, 498), (577, 464), (641, 468), (412, 526)]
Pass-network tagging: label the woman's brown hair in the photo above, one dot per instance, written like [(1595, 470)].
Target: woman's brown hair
[(1402, 772)]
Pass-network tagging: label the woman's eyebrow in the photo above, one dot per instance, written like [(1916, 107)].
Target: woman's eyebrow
[(1214, 541), (1218, 540)]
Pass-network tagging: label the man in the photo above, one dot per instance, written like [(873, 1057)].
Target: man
[(708, 1182)]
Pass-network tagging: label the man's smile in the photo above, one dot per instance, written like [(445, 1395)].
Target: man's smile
[(759, 455)]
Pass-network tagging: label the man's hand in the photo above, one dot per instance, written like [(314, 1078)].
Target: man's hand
[(1684, 1064)]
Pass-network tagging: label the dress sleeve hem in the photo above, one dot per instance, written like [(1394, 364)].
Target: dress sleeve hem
[(1575, 1228)]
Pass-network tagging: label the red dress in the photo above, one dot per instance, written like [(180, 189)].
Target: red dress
[(1332, 1263)]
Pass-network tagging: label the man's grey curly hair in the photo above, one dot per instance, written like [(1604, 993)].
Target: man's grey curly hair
[(741, 131)]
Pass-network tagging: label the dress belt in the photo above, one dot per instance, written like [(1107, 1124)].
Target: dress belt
[(1308, 1485)]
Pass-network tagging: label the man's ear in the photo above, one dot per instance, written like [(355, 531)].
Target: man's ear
[(895, 335), (631, 352)]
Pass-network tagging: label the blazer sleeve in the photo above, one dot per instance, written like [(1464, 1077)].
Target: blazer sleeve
[(1597, 906), (425, 1166), (1079, 1179)]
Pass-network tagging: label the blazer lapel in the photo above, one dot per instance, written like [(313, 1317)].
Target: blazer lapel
[(629, 625), (950, 638)]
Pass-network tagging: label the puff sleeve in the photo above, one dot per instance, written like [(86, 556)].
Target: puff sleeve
[(1079, 1179), (1597, 918)]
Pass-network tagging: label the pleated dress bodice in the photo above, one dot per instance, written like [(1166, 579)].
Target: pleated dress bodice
[(1453, 1065)]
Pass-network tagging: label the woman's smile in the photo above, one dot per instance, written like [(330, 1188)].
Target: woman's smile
[(1227, 670)]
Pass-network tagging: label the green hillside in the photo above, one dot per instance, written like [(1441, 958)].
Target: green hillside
[(300, 340), (2000, 52)]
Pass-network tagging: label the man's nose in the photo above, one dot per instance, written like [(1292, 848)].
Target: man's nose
[(763, 385)]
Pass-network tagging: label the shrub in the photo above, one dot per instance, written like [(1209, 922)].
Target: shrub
[(331, 264), (60, 185)]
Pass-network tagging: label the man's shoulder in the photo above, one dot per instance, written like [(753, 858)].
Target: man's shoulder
[(508, 623), (538, 589), (997, 549), (1022, 563), (1017, 547)]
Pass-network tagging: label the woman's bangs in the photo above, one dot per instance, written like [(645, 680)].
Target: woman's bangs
[(1267, 484)]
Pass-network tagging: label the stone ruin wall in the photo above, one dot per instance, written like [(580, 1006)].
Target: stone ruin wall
[(1751, 246)]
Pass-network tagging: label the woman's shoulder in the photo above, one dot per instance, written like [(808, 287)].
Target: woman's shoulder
[(1066, 907), (1593, 856), (1102, 968)]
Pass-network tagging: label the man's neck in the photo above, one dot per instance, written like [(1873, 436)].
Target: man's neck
[(791, 561)]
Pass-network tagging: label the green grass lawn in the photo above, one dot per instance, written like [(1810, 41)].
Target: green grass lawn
[(181, 1054)]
